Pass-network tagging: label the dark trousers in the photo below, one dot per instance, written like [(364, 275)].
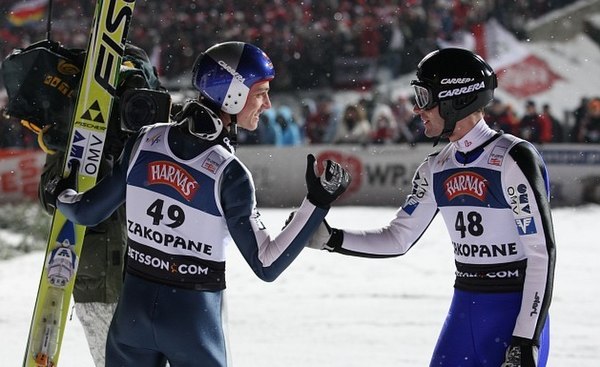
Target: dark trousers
[(154, 323)]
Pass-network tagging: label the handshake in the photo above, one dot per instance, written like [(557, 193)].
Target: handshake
[(324, 189)]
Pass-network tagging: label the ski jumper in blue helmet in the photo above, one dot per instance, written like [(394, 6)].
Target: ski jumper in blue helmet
[(188, 198), (492, 190)]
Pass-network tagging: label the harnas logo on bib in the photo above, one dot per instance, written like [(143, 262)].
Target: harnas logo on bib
[(466, 183), (171, 174)]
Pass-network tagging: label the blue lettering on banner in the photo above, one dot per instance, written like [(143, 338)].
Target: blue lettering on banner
[(526, 226)]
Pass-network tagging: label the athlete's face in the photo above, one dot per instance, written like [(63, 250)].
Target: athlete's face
[(258, 101), (433, 122)]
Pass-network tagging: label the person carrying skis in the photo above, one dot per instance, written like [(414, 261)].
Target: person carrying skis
[(188, 197), (100, 265), (493, 192)]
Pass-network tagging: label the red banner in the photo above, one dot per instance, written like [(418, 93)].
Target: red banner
[(20, 172), (520, 72), (530, 76)]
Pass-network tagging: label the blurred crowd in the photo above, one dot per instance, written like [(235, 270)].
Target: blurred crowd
[(322, 120), (307, 40), (376, 121), (540, 125)]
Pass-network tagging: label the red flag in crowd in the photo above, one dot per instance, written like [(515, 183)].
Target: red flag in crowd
[(27, 11)]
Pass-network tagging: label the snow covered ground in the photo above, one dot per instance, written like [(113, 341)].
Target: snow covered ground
[(330, 310)]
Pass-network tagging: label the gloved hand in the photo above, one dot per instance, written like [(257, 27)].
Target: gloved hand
[(324, 238), (521, 355), (324, 189), (321, 237), (130, 78), (59, 184)]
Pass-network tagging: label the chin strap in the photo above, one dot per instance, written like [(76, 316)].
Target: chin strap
[(450, 120), (233, 131), (444, 135)]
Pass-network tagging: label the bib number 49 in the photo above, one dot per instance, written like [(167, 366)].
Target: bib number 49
[(174, 213)]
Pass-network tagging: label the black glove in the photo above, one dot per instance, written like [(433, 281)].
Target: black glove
[(321, 237), (324, 238), (59, 184), (130, 79), (521, 355), (324, 189)]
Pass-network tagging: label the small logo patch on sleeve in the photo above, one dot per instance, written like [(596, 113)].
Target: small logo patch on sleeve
[(213, 162), (526, 226)]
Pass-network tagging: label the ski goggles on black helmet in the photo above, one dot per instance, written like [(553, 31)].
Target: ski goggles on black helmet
[(423, 95)]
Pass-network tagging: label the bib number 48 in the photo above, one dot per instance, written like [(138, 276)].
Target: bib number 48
[(471, 223)]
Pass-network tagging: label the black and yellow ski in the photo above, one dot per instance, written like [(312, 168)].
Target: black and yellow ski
[(88, 132)]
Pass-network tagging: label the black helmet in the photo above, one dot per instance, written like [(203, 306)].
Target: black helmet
[(225, 73), (457, 80)]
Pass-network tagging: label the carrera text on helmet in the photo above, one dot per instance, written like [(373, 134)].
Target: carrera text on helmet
[(232, 71), (458, 91), (456, 80)]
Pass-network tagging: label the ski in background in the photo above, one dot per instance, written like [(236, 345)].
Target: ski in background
[(94, 102)]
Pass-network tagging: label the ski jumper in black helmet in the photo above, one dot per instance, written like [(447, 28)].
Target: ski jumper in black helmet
[(457, 80), (493, 191), (225, 73)]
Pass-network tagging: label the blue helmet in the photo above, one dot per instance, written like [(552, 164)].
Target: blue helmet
[(224, 74)]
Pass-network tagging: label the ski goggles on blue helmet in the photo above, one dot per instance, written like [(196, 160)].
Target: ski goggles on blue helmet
[(424, 97)]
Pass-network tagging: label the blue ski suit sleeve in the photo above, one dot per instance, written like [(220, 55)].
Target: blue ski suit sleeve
[(267, 256), (95, 205)]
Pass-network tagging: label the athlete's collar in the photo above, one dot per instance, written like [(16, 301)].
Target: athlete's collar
[(479, 134)]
